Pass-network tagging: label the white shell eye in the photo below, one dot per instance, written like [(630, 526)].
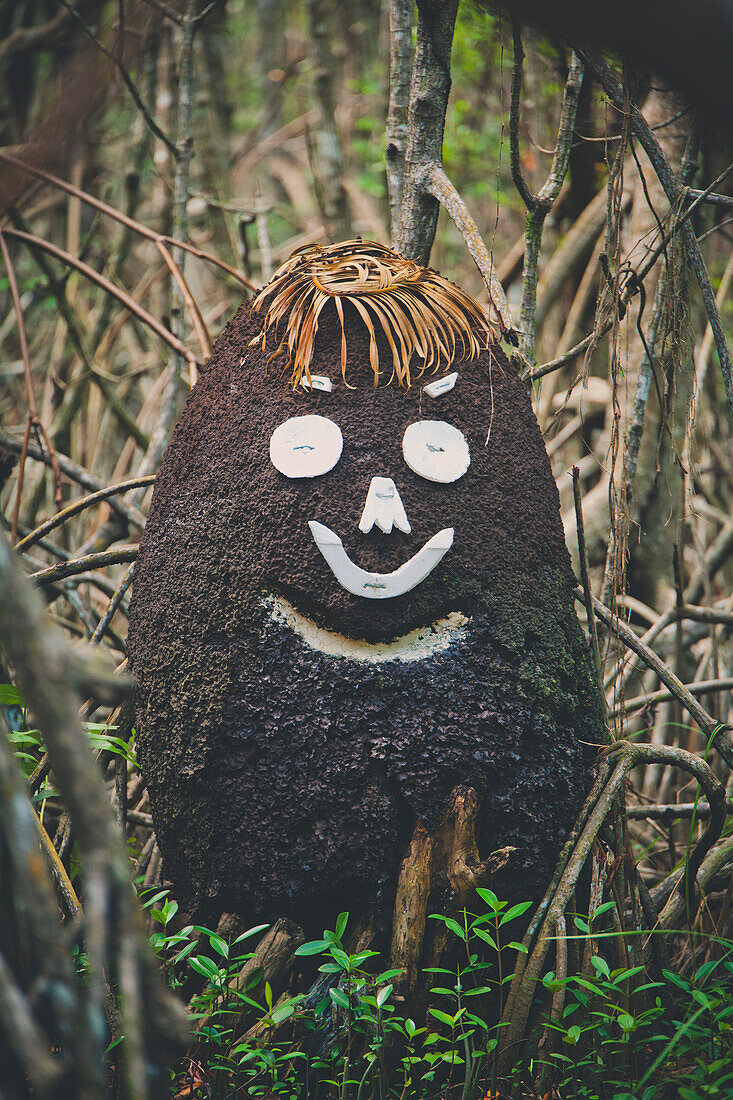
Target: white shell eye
[(306, 446), (435, 450)]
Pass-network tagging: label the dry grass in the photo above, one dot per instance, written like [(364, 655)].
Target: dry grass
[(426, 319)]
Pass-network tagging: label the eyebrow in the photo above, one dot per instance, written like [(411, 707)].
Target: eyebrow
[(317, 382), (441, 385)]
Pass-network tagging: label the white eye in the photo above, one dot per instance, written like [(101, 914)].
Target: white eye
[(435, 450), (306, 446)]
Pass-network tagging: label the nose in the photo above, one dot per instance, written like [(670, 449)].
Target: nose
[(384, 507)]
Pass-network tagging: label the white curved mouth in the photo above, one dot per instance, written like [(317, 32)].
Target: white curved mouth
[(379, 586)]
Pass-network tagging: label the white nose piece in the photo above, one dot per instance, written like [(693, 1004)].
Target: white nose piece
[(383, 507)]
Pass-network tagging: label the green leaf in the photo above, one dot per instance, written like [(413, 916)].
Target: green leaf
[(490, 898), (251, 932), (515, 911), (387, 975), (341, 925), (315, 947), (205, 967), (600, 966), (444, 1017), (383, 994), (339, 997), (169, 910), (487, 938), (454, 926), (284, 1012), (341, 958), (676, 980), (10, 696), (219, 945)]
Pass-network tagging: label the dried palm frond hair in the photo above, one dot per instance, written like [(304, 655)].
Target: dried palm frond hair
[(422, 315)]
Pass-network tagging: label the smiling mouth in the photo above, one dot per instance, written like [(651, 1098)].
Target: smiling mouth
[(379, 586)]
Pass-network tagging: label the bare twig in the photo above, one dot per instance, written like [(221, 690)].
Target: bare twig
[(443, 190), (78, 474), (670, 813), (126, 78), (700, 687), (114, 604)]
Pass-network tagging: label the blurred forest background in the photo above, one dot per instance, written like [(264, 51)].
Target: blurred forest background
[(246, 129)]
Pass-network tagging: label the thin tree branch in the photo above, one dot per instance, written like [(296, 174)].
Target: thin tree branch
[(79, 506), (518, 179), (539, 205), (124, 219), (126, 78), (701, 687), (74, 566)]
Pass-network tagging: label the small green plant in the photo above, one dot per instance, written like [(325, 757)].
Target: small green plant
[(612, 1034)]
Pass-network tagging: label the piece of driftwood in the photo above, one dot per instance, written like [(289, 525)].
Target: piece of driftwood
[(440, 873)]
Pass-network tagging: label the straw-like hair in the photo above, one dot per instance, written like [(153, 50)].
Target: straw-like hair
[(420, 313)]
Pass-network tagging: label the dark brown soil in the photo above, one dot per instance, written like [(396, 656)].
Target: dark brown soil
[(286, 781)]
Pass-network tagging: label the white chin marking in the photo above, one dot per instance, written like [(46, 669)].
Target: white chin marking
[(415, 646), (379, 586)]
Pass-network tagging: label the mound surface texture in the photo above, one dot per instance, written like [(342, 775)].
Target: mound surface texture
[(285, 780)]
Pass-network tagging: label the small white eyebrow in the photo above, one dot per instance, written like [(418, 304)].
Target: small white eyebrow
[(441, 386), (317, 382)]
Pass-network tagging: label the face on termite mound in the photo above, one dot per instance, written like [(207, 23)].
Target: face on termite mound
[(406, 482), (378, 511)]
